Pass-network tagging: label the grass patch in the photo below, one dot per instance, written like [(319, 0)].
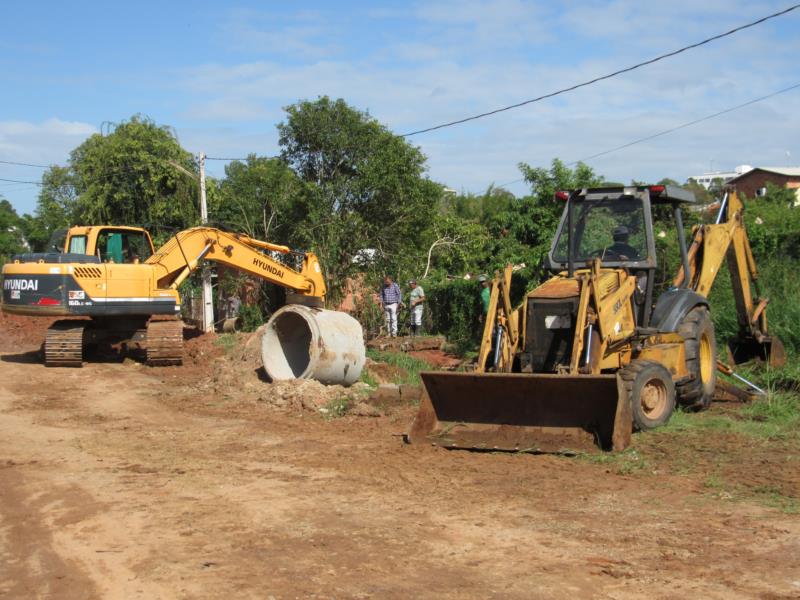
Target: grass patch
[(226, 341), (368, 378), (337, 408), (772, 497), (775, 417), (410, 365), (627, 462)]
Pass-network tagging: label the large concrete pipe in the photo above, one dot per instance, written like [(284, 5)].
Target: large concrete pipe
[(311, 343)]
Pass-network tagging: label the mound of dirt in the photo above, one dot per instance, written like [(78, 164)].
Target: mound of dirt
[(200, 349), (407, 343), (232, 367), (22, 333), (307, 394), (438, 359), (384, 372)]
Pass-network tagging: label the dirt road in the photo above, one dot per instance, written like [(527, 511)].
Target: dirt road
[(120, 481)]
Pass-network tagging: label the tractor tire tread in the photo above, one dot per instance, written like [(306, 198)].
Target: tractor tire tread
[(692, 394)]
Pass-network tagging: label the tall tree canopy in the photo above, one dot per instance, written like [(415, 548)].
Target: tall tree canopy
[(366, 187), (126, 177), (262, 197)]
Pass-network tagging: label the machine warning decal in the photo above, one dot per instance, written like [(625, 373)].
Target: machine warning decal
[(77, 295), (15, 294)]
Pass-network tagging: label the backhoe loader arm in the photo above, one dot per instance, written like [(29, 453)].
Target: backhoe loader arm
[(727, 239), (500, 329), (181, 255)]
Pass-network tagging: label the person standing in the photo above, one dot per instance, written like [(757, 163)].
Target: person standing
[(417, 304), (486, 295), (391, 299)]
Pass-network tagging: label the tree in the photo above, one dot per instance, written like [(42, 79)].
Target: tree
[(11, 238), (126, 177), (262, 197), (366, 188), (56, 207)]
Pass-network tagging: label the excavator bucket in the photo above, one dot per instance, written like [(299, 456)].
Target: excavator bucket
[(522, 412), (770, 350)]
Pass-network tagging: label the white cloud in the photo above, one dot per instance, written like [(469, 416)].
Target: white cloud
[(469, 57), (46, 142), (301, 35)]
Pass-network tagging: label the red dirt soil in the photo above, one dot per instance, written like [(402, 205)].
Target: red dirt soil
[(122, 481)]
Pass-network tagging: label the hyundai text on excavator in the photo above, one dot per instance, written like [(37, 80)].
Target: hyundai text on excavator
[(590, 355), (127, 291)]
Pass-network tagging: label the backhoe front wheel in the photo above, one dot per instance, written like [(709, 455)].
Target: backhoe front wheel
[(651, 393), (697, 330)]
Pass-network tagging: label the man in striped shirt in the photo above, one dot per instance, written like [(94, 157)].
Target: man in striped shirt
[(391, 299)]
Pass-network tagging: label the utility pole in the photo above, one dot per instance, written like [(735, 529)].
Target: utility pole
[(208, 302)]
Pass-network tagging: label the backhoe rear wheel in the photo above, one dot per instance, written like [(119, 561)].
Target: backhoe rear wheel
[(701, 359), (651, 393)]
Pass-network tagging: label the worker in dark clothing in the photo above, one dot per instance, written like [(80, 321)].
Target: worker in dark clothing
[(621, 249)]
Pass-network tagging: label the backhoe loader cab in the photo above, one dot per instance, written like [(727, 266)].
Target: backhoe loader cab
[(615, 225)]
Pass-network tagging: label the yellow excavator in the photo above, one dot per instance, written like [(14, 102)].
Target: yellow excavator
[(127, 291), (589, 355)]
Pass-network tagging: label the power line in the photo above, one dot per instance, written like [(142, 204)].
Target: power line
[(240, 159), (689, 124), (22, 164), (18, 181), (608, 76), (672, 129)]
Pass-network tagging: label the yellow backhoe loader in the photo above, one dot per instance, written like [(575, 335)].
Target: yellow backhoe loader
[(127, 291), (589, 355)]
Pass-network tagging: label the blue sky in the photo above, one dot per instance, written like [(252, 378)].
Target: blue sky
[(220, 74)]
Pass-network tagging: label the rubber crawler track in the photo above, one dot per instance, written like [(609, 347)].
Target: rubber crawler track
[(63, 346), (164, 343)]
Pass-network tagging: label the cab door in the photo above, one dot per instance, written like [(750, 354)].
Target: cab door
[(86, 288), (127, 283)]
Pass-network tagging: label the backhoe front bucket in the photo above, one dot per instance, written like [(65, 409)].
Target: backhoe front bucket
[(522, 412)]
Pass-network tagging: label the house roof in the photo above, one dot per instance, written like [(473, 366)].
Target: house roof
[(787, 171)]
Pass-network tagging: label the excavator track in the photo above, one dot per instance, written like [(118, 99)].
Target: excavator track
[(63, 346), (164, 343)]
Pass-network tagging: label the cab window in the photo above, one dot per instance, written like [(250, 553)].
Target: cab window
[(77, 244), (612, 230), (122, 247)]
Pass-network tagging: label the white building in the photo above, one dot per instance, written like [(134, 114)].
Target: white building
[(706, 179)]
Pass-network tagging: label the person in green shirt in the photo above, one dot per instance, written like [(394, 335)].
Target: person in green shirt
[(485, 295), (417, 306)]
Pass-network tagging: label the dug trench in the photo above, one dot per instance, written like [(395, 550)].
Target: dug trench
[(123, 481)]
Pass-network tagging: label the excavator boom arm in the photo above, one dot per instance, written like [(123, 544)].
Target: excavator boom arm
[(181, 255)]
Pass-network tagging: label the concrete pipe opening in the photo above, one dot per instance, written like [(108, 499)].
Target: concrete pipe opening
[(308, 343)]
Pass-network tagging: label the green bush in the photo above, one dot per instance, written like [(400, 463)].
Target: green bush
[(454, 306), (251, 316)]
